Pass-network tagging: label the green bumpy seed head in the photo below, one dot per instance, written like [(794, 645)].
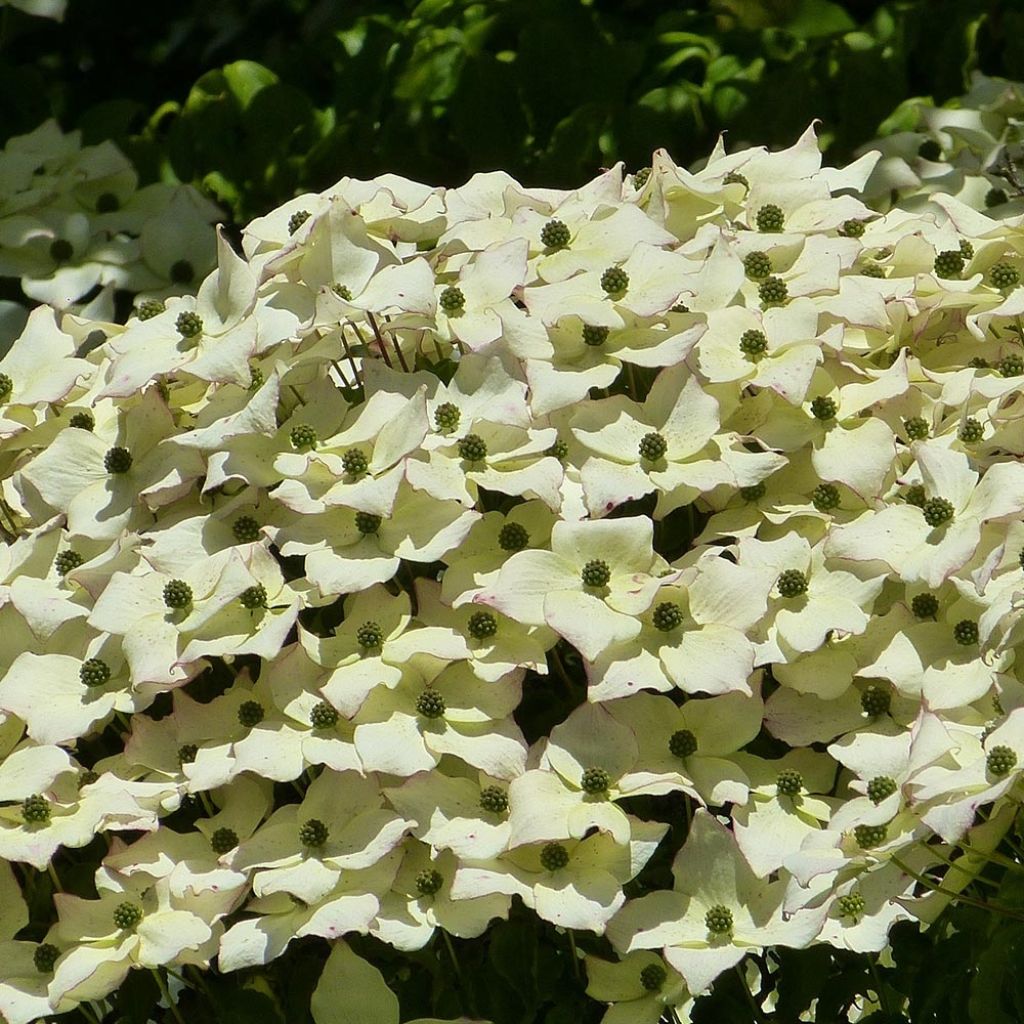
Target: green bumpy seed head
[(594, 336), (189, 325), (369, 635), (792, 583), (94, 672), (949, 264), (754, 492), (653, 447), (35, 809), (667, 616), (429, 882), (1003, 276), (789, 782), (127, 915), (182, 272), (6, 387), (355, 462), (824, 408), (1001, 761), (615, 280), (772, 291), (825, 497), (937, 511), (924, 606), (430, 704), (930, 150), (917, 428), (770, 219), (66, 561), (965, 633), (367, 523), (296, 220), (595, 780), (117, 460), (735, 178), (971, 431), (446, 417), (323, 716), (482, 625), (473, 448), (596, 573), (224, 840), (187, 753), (870, 836), (652, 977), (966, 249), (757, 265), (554, 235), (452, 300), (682, 743), (679, 307), (916, 495), (45, 956), (494, 799), (251, 713), (246, 530), (313, 833), (753, 344), (640, 178), (254, 597), (303, 437), (875, 701), (554, 857), (559, 450), (880, 788), (872, 270), (177, 594), (256, 379), (994, 197), (513, 537), (851, 905), (61, 250), (852, 228), (719, 920), (342, 291), (978, 363), (1011, 366), (83, 420)]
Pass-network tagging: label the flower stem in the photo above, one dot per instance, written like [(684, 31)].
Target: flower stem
[(574, 954), (52, 871), (997, 908), (754, 1008), (161, 983), (879, 988)]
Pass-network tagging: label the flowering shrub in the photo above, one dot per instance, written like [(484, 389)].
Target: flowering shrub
[(75, 228), (718, 467)]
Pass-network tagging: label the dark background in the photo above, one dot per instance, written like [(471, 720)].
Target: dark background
[(549, 90)]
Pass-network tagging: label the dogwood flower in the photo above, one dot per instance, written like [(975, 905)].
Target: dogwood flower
[(589, 588), (718, 910)]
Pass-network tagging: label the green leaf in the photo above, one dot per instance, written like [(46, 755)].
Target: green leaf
[(352, 991), (816, 18)]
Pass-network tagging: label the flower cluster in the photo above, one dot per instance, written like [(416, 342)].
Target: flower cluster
[(75, 227), (967, 148), (725, 455)]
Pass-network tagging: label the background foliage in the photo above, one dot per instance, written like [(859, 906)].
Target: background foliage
[(271, 97), (275, 95)]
